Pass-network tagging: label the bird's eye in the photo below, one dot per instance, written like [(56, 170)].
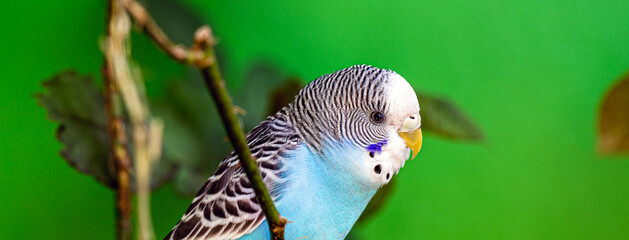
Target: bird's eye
[(377, 117)]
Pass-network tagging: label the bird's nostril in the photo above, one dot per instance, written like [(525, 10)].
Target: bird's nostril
[(412, 117), (388, 176)]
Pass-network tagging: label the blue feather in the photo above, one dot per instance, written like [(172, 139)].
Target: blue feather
[(324, 195)]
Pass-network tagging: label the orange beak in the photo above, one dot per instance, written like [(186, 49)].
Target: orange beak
[(413, 140)]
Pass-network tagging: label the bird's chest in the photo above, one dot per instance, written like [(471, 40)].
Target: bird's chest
[(324, 196)]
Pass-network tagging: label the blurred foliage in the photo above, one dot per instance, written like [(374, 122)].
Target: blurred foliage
[(613, 123), (444, 119), (77, 105)]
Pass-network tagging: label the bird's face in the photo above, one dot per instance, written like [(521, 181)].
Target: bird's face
[(374, 112), (400, 122)]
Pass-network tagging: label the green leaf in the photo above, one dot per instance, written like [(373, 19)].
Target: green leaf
[(77, 105), (613, 129), (444, 119)]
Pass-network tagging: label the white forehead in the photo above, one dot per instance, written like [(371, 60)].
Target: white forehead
[(401, 97)]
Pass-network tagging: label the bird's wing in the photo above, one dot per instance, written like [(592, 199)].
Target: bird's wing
[(226, 206)]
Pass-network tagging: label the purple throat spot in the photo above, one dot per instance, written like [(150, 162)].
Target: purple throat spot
[(377, 147)]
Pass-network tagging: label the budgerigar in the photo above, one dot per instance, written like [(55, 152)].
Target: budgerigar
[(322, 157)]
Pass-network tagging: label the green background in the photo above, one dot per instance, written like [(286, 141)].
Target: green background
[(531, 74)]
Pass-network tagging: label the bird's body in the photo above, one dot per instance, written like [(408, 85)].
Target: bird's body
[(322, 158)]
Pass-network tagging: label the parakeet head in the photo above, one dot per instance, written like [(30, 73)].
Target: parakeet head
[(372, 113)]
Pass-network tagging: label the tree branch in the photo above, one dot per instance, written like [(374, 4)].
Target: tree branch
[(202, 56), (120, 159), (144, 20), (216, 86), (144, 130), (117, 142)]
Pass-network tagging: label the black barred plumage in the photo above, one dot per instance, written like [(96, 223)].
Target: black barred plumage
[(227, 198), (334, 106), (310, 112)]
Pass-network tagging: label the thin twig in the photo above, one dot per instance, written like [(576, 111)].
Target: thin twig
[(133, 97), (202, 56), (120, 160), (215, 84), (177, 52), (143, 19), (117, 144)]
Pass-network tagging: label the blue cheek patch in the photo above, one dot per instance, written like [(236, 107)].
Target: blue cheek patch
[(376, 147)]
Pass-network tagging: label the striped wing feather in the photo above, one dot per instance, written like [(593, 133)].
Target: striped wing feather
[(226, 206)]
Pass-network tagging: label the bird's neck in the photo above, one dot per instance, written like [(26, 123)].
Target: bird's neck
[(324, 197)]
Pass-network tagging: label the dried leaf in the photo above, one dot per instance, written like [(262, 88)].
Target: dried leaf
[(443, 118), (76, 103), (613, 129), (78, 106)]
